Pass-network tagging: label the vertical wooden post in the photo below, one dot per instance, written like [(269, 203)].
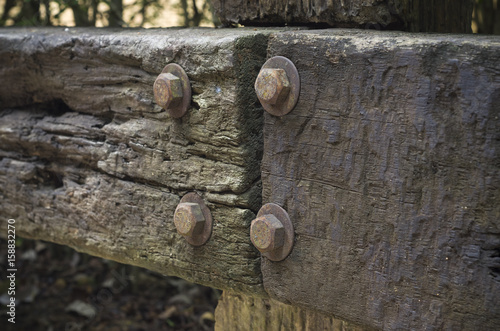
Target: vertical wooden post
[(242, 312)]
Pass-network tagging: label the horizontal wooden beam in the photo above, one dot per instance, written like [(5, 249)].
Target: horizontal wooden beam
[(87, 159), (389, 168), (414, 16)]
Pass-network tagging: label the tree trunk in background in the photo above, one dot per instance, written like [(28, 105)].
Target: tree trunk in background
[(185, 12), (29, 14), (9, 4), (197, 14), (46, 19), (115, 14), (80, 14), (486, 16)]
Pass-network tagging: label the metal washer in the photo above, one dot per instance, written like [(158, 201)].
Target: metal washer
[(182, 108), (281, 214), (207, 229), (281, 62)]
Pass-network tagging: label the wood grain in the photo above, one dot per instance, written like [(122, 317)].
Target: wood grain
[(389, 168), (415, 16), (240, 312), (87, 159)]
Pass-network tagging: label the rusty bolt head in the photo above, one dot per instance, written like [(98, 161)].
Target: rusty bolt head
[(267, 233), (168, 90), (272, 86), (189, 219)]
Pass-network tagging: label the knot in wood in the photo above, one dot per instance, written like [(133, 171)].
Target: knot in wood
[(267, 233), (189, 219), (168, 90), (272, 86)]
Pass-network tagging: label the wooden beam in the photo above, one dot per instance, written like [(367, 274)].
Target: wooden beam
[(414, 16), (389, 168), (240, 312), (88, 160)]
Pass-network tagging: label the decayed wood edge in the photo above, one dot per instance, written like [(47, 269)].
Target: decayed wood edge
[(127, 222), (89, 161), (384, 121), (240, 312), (413, 16)]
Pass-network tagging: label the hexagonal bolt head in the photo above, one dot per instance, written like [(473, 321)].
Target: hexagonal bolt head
[(168, 90), (267, 233), (272, 86), (189, 219)]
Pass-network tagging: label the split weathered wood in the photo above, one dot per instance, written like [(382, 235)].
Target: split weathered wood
[(242, 312), (88, 160), (389, 165), (389, 168), (414, 16)]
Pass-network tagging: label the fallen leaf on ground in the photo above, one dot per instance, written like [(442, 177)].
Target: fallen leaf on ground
[(81, 308), (168, 313), (207, 316)]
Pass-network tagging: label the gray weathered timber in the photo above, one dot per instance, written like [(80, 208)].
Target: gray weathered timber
[(389, 168), (415, 15), (245, 313), (87, 159)]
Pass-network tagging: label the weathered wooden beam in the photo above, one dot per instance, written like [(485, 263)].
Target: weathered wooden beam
[(414, 16), (389, 168), (87, 159)]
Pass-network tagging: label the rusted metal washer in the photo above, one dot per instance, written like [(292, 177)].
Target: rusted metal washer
[(177, 109), (288, 86), (184, 219), (273, 251)]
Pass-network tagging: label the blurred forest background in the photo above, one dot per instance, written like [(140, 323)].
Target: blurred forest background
[(486, 16), (159, 13), (113, 13)]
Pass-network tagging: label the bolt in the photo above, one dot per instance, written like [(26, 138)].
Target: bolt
[(168, 90), (267, 233), (272, 86), (189, 219)]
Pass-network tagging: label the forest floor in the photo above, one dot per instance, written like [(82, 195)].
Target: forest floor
[(58, 288)]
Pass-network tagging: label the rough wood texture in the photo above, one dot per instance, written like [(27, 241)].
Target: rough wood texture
[(239, 312), (88, 160), (413, 15), (389, 168)]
